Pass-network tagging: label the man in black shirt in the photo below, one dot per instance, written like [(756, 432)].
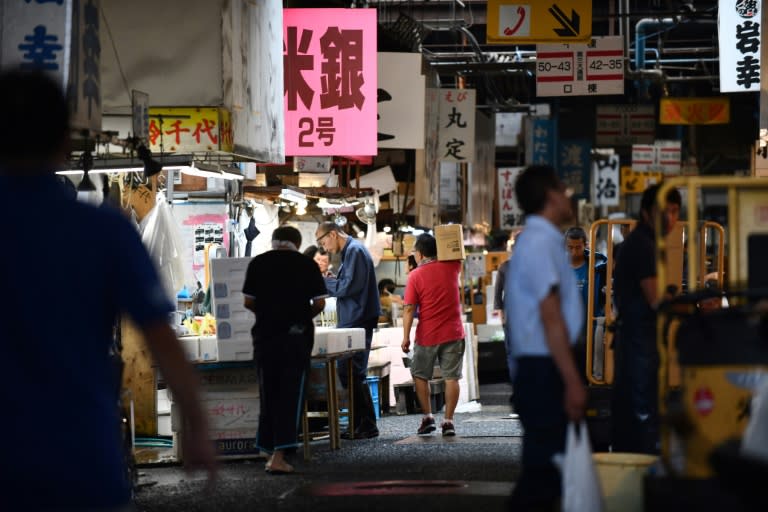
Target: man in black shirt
[(636, 359), (285, 290)]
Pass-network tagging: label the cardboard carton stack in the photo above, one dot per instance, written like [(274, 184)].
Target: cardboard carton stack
[(450, 242)]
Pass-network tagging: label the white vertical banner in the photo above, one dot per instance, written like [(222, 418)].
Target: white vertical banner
[(738, 27), (510, 213), (37, 35), (400, 97), (605, 179), (457, 125)]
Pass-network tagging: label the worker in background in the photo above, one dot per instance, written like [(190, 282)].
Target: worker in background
[(286, 291), (434, 287), (635, 397), (357, 305), (578, 252), (544, 320), (66, 386)]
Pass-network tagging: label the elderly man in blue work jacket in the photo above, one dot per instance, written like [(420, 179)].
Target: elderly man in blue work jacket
[(357, 305)]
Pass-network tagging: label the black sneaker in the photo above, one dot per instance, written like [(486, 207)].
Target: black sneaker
[(361, 434), (448, 430), (427, 426)]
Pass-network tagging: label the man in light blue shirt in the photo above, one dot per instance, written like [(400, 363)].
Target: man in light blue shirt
[(544, 319)]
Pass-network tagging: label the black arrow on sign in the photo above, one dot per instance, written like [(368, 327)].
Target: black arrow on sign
[(570, 26)]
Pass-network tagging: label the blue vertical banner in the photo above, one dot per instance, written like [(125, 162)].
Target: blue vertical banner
[(574, 165), (540, 141)]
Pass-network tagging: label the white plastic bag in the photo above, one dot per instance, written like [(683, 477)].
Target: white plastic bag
[(755, 440), (581, 487)]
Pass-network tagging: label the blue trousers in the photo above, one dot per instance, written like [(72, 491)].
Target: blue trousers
[(364, 415), (538, 399)]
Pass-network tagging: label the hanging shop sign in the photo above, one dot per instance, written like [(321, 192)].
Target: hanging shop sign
[(400, 98), (330, 81), (635, 182), (581, 69), (573, 165), (738, 29), (662, 156), (695, 111), (510, 213), (605, 177), (624, 125), (515, 22), (190, 129), (540, 140), (457, 125), (61, 38)]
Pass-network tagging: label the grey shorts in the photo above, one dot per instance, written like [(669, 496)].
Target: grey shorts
[(450, 356)]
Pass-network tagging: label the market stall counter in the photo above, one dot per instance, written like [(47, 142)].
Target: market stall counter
[(230, 391)]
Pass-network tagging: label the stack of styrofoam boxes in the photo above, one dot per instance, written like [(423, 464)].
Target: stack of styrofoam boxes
[(233, 320), (392, 337), (230, 399)]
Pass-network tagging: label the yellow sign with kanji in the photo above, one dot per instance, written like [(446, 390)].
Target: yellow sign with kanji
[(538, 21), (691, 111), (190, 129), (635, 182)]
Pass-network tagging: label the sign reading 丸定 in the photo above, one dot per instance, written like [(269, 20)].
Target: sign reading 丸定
[(60, 37), (573, 165), (540, 140), (510, 213), (330, 81), (575, 69), (605, 179), (457, 125), (188, 129), (624, 125), (738, 27), (531, 21)]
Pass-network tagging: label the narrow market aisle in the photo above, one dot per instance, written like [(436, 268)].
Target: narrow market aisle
[(476, 469)]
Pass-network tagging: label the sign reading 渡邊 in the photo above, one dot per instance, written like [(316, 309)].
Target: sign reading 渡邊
[(330, 81), (537, 21), (738, 29)]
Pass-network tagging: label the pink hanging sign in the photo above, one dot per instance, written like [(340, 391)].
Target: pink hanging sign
[(330, 81)]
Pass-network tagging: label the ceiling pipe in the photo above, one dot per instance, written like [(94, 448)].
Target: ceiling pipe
[(640, 36)]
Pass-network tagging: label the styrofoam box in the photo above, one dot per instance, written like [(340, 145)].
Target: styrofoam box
[(191, 346), (233, 413), (163, 401), (320, 345), (164, 425), (234, 331), (209, 348), (343, 339), (229, 444), (235, 350)]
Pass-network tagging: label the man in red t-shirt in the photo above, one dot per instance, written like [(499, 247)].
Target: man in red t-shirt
[(434, 287)]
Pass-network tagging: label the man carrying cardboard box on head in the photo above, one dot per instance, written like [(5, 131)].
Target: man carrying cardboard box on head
[(434, 287)]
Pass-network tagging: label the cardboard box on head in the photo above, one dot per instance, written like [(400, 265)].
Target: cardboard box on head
[(450, 242)]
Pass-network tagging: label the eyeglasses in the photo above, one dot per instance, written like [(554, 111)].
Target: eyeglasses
[(318, 241)]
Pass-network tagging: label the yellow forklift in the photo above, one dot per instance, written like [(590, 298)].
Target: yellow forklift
[(599, 342), (713, 348)]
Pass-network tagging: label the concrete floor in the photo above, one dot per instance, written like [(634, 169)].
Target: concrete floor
[(396, 471)]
